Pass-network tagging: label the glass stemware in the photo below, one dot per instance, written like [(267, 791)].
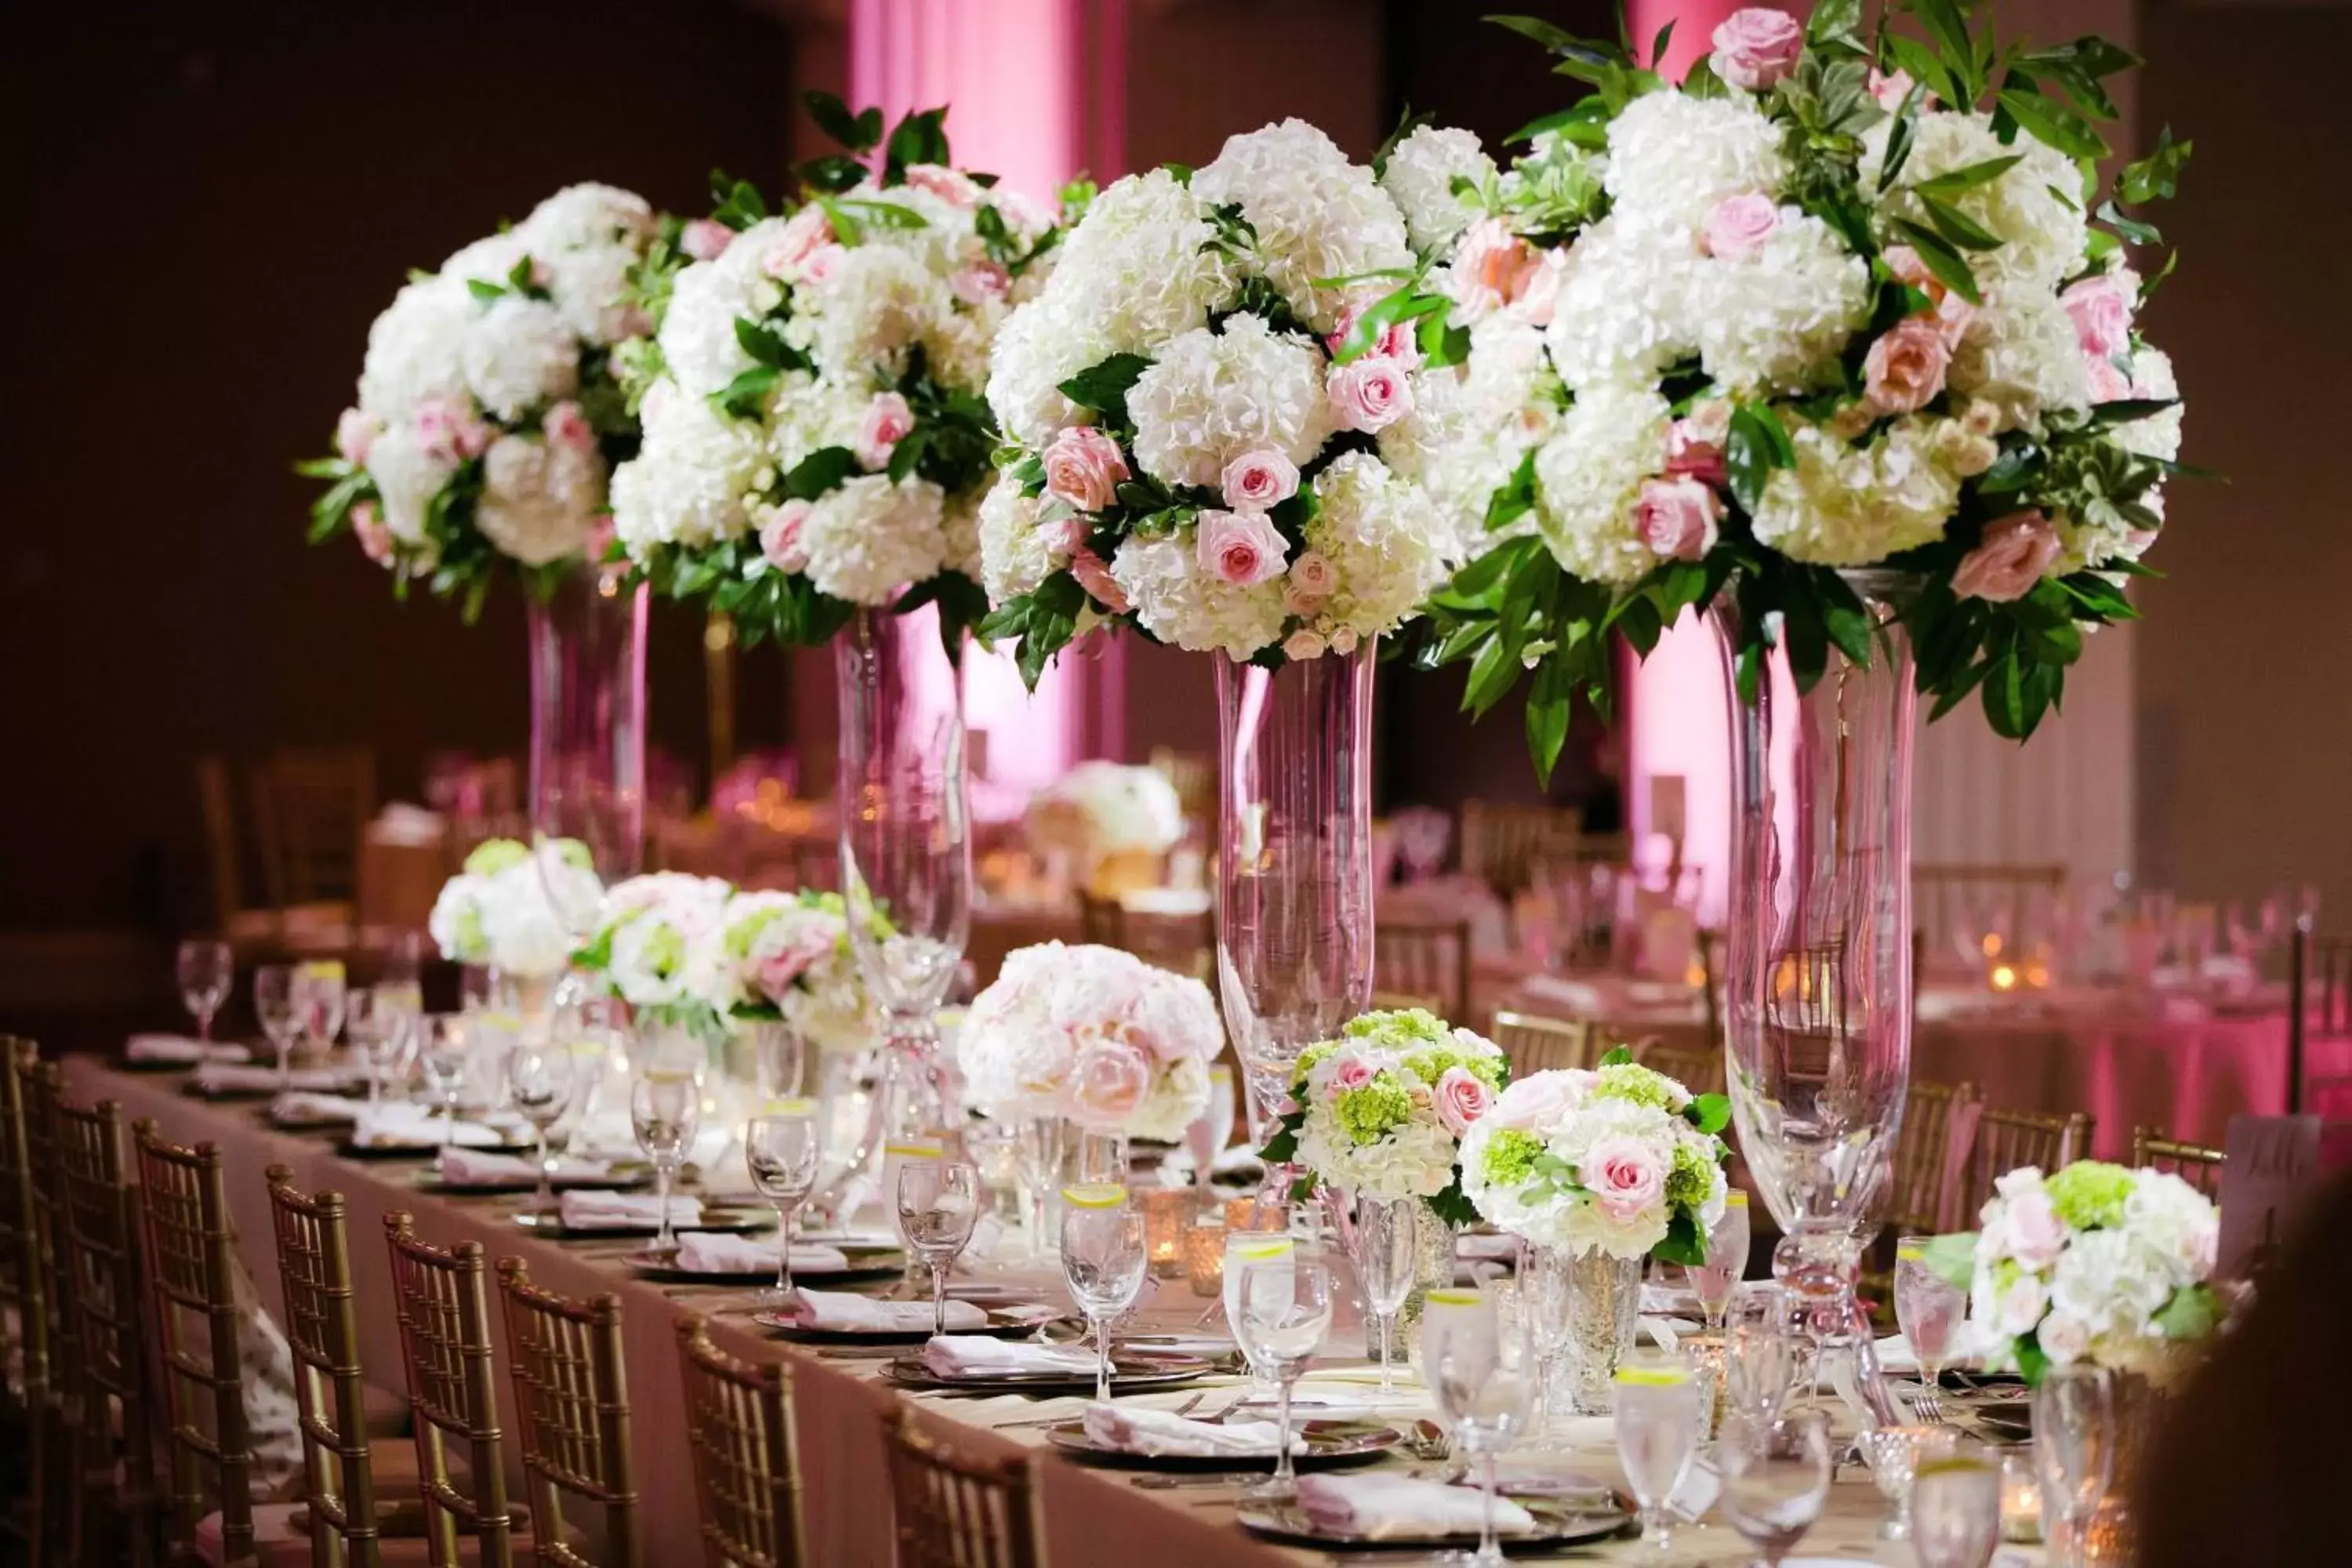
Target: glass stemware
[(393, 1051), (1387, 1253), (538, 1086), (1894, 1455), (665, 1112), (1037, 1159), (779, 1060), (937, 1202), (1206, 1138), (1956, 1512), (1547, 1294), (2074, 1431), (1929, 1310), (1776, 1477), (1759, 1355), (1727, 1260), (1481, 1363), (784, 1150), (445, 1052), (1105, 1256), (205, 970), (363, 1029), (319, 1004), (273, 1005), (1285, 1304), (1658, 1421)]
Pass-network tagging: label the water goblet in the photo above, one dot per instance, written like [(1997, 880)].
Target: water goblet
[(318, 997), (1929, 1310), (1894, 1455), (937, 1203), (779, 1060), (1481, 1360), (784, 1149), (538, 1086), (1956, 1512), (1387, 1253), (477, 988), (445, 1052), (1776, 1477), (393, 1051), (1727, 1260), (665, 1112), (1106, 1254), (273, 1005), (363, 1027), (1658, 1420), (2074, 1431), (206, 968), (1286, 1306)]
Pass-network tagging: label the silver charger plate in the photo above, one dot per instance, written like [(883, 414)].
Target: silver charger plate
[(1129, 1372), (1329, 1444), (661, 1268), (998, 1325), (714, 1217), (350, 1149), (1557, 1524), (620, 1179)]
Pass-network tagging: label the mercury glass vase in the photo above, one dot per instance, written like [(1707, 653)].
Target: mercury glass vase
[(1819, 980), (1294, 867), (1604, 1301)]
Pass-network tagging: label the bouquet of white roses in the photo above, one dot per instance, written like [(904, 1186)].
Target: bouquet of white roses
[(496, 911), (814, 435), (1210, 438), (488, 417), (1095, 1034), (1838, 301), (2097, 1263), (789, 956), (1623, 1160), (1383, 1110), (1100, 808)]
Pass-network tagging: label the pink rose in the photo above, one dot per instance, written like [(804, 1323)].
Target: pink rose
[(780, 537), (1243, 548), (1676, 518), (1108, 1084), (1889, 89), (1396, 340), (1694, 443), (1756, 47), (951, 186), (1953, 313), (887, 422), (779, 970), (2108, 383), (2036, 1235), (1352, 1073), (1260, 480), (1096, 579), (565, 425), (2015, 551), (805, 234), (1493, 267), (2101, 310), (1905, 368), (1461, 1099), (1084, 468), (1624, 1174), (2066, 1337), (1740, 225), (1313, 579), (450, 430), (373, 534), (1302, 643), (1541, 1098), (1370, 394), (820, 264), (706, 240), (1064, 537), (598, 545), (1541, 295), (978, 282), (354, 434)]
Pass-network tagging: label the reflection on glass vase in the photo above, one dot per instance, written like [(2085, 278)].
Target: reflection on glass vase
[(1294, 867), (1819, 1011), (906, 869), (1433, 1244), (1604, 1301)]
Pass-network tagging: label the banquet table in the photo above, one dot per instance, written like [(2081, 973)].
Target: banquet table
[(1092, 1515)]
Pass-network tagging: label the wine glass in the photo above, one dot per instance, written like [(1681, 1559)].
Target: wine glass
[(937, 1202), (393, 1049), (784, 1150), (1481, 1363), (273, 1005), (1545, 1297), (206, 968), (665, 1112), (1759, 1355), (445, 1052), (1929, 1310), (1285, 1311), (477, 988), (1244, 1248), (779, 1060), (1104, 1258), (1776, 1477), (1037, 1158), (318, 998), (1956, 1512), (538, 1086), (1387, 1253), (362, 1028), (1659, 1422), (404, 967), (2074, 1431), (1210, 1132), (1727, 1260)]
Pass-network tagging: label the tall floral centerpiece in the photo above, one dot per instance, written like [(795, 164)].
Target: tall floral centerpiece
[(1208, 441), (1110, 821), (497, 913)]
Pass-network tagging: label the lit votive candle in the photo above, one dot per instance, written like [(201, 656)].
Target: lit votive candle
[(2021, 1495), (1242, 1213), (1167, 1214), (1204, 1259)]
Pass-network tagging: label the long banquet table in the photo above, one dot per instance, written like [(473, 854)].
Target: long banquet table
[(1091, 1515)]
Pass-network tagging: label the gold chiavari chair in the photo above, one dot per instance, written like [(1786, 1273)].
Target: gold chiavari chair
[(323, 1329), (115, 1487), (2319, 991), (41, 1087), (1698, 1069), (310, 805), (1533, 1044), (1407, 1002), (2196, 1163), (1183, 944), (1194, 777), (1938, 1118), (1501, 844), (2009, 1139), (1426, 958), (24, 1315), (956, 1511), (442, 1299), (572, 1400), (745, 1456)]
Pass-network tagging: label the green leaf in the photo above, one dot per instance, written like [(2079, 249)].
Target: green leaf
[(1407, 122), (1616, 1057), (1925, 66), (1942, 258), (2131, 228), (2032, 1360), (1955, 226), (747, 395), (1402, 305), (761, 343), (856, 131), (846, 227), (2193, 1313), (1492, 674), (1684, 1244), (1709, 1113), (820, 471), (1551, 707), (882, 215), (907, 454), (1755, 446), (918, 138), (482, 288), (2004, 698), (2054, 123), (1952, 1259), (2158, 175), (1968, 177), (1104, 387)]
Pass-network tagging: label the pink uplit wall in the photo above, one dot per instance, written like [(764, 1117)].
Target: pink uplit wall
[(1693, 20)]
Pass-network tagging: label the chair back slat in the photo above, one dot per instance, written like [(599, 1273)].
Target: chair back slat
[(1926, 1179), (1696, 1069), (24, 1270), (572, 1403), (2009, 1139), (746, 1458), (310, 805), (323, 1332), (2197, 1164), (105, 1285), (1534, 1044), (956, 1511), (1182, 943), (442, 1299), (1425, 958)]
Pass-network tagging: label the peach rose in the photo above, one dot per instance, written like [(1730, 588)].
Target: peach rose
[(567, 427), (706, 240), (1676, 518), (373, 532), (1740, 225), (1107, 1083), (2101, 310), (1905, 368), (780, 537), (1096, 579), (2013, 556), (1302, 643), (1083, 466), (950, 186), (1492, 267), (804, 234), (1694, 442), (1243, 548), (1756, 47)]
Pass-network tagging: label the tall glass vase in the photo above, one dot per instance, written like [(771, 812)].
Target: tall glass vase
[(1294, 867), (1604, 1301), (905, 870), (1819, 1015)]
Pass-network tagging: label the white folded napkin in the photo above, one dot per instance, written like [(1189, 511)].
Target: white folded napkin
[(180, 1048), (1132, 1429), (840, 1313), (302, 1106), (722, 1252), (597, 1209), (970, 1355), (463, 1167), (238, 1078), (393, 1125), (1386, 1507)]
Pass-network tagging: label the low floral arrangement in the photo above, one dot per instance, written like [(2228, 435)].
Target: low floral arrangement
[(496, 911), (1095, 1034), (1100, 808), (815, 438), (489, 415), (1621, 1160), (1384, 1108), (1838, 301), (1209, 437), (2097, 1263)]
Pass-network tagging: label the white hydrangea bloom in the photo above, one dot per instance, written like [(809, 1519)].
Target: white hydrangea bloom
[(1778, 320), (2034, 208), (1855, 506), (540, 497), (877, 304), (1135, 267), (1015, 553), (707, 298), (1041, 345), (415, 349), (590, 286), (1418, 448), (1179, 603), (806, 415), (686, 484), (521, 354), (869, 538), (960, 528), (1212, 395), (1589, 475), (1628, 300), (2159, 435), (2022, 357), (1672, 157), (1315, 214), (1509, 402), (587, 216), (1420, 175), (409, 475), (489, 260), (1375, 531)]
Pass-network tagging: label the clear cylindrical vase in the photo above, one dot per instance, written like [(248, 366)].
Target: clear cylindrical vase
[(1604, 1301), (1295, 866), (1819, 980)]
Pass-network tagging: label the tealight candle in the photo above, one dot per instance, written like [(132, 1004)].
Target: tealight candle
[(1242, 1213), (1167, 1214), (1204, 1259), (2021, 1495)]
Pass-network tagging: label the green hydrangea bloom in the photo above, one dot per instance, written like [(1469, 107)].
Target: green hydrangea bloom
[(1635, 1084), (1510, 1158), (2089, 1193), (1398, 1030), (492, 855), (1312, 1055), (745, 931), (1689, 1178), (664, 951), (471, 938), (574, 854), (1368, 1111)]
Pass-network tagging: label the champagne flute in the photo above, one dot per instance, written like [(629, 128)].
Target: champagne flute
[(665, 1112), (1929, 1310), (444, 1052), (2074, 1431), (937, 1202), (538, 1086), (1759, 1355), (206, 968), (1285, 1311), (1776, 1477), (1104, 1258), (273, 1005), (1483, 1366), (1956, 1512), (1727, 1260), (1387, 1251), (1206, 1138), (1658, 1420), (1037, 1156), (784, 1151)]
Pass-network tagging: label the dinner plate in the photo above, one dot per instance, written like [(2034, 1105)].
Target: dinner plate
[(1329, 1444), (1129, 1372), (350, 1149), (2005, 1417), (620, 1178), (715, 1216), (1556, 1524), (348, 1087), (1000, 1325), (662, 1268)]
